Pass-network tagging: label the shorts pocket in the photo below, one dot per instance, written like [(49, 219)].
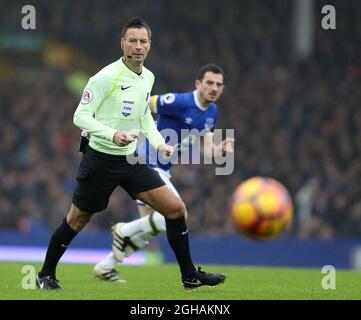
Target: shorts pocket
[(86, 168)]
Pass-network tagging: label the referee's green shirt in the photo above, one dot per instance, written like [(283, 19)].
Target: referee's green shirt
[(116, 99)]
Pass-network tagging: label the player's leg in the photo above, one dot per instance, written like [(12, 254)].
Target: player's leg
[(137, 238), (105, 268), (150, 228), (143, 209), (138, 233), (151, 223)]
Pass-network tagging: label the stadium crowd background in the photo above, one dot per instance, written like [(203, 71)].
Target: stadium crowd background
[(297, 120)]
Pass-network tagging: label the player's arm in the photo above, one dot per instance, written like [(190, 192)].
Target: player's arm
[(153, 104), (214, 151), (94, 94), (170, 104), (150, 130)]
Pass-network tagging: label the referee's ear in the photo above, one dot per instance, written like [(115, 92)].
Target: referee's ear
[(122, 43)]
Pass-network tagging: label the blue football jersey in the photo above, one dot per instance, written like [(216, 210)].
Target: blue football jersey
[(181, 120)]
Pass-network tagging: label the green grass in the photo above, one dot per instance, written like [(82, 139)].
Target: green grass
[(163, 282)]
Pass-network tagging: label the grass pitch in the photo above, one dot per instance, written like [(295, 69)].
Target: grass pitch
[(163, 283)]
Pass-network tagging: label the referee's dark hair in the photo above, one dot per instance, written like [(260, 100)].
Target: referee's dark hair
[(209, 67), (136, 22)]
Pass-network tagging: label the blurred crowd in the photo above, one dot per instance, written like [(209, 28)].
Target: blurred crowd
[(297, 120)]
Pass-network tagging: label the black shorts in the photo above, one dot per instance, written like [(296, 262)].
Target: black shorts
[(100, 173)]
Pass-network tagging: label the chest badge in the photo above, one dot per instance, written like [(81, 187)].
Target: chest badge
[(127, 108), (209, 124)]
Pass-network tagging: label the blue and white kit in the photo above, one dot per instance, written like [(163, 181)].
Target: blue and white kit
[(181, 119)]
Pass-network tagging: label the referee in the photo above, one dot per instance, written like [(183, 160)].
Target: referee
[(113, 110)]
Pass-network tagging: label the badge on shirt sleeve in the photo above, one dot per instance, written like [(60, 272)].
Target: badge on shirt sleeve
[(127, 108), (87, 96), (167, 98)]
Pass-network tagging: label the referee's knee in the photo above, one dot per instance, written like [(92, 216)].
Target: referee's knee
[(77, 219), (177, 210)]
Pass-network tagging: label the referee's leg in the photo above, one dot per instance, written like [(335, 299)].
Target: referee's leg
[(164, 201), (74, 222), (77, 219)]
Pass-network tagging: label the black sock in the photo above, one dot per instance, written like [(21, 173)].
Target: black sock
[(177, 234), (59, 242)]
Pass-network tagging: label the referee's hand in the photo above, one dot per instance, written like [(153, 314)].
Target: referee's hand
[(123, 138), (166, 150)]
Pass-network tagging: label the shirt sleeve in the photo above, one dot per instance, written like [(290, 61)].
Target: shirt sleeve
[(153, 103), (150, 130), (170, 104), (94, 94)]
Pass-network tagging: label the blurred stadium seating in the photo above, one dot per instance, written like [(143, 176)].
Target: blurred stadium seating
[(296, 119)]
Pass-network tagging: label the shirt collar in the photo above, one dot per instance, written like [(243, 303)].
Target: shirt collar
[(132, 73), (198, 104)]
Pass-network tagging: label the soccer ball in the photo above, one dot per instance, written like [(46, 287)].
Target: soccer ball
[(261, 208)]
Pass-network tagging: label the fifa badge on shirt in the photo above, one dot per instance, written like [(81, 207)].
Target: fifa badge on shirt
[(127, 108)]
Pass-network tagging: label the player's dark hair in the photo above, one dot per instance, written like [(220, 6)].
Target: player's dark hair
[(136, 22), (209, 67)]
